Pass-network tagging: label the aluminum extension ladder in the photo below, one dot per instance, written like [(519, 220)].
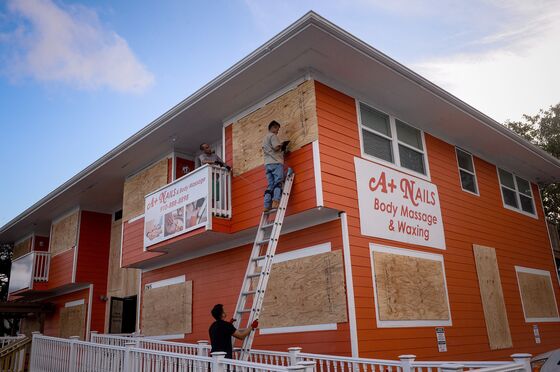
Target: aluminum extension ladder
[(260, 264)]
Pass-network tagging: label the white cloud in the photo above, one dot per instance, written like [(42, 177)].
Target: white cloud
[(69, 44), (516, 74)]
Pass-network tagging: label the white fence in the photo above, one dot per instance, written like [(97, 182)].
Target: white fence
[(326, 363), (51, 354)]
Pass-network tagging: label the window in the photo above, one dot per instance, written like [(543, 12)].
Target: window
[(466, 171), (516, 192), (387, 138)]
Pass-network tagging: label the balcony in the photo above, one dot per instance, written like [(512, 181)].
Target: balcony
[(187, 204), (27, 269)]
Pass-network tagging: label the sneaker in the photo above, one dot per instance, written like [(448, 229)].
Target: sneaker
[(275, 204)]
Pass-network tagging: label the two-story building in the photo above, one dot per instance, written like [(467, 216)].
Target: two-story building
[(414, 225)]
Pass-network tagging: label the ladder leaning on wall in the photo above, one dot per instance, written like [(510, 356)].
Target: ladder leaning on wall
[(260, 264)]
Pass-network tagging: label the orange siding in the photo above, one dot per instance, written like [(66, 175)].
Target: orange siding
[(52, 322), (60, 271), (93, 258), (133, 243), (468, 220), (217, 279)]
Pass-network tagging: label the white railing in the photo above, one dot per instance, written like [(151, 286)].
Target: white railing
[(51, 354), (221, 187), (41, 265), (328, 363), (6, 340)]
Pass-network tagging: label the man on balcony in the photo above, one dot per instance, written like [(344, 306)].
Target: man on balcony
[(221, 331), (273, 151), (209, 156)]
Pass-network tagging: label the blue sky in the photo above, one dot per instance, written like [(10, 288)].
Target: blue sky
[(79, 77)]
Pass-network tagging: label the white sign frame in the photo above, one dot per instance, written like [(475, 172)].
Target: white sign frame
[(397, 206), (192, 191)]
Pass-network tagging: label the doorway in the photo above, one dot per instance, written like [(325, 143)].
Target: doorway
[(122, 315)]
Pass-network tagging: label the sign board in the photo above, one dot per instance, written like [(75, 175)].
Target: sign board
[(441, 342), (536, 334), (397, 206), (177, 208)]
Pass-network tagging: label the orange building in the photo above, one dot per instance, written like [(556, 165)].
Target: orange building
[(415, 223)]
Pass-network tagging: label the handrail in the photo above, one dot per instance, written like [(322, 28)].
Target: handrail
[(12, 357), (323, 363)]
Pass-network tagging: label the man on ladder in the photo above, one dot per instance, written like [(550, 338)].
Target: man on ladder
[(273, 151)]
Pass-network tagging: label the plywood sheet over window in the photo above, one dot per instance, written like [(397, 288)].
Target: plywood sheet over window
[(493, 304), (294, 110), (22, 247), (537, 295), (72, 321), (305, 291), (167, 310), (141, 184), (410, 288), (64, 233)]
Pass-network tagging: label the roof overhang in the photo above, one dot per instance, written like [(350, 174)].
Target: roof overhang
[(312, 46)]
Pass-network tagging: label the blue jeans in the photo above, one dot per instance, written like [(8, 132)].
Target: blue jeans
[(274, 176)]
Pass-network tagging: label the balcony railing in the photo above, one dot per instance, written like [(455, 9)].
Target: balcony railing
[(221, 192), (29, 268), (41, 265)]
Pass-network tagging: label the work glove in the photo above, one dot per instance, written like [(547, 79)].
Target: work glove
[(255, 324), (232, 320)]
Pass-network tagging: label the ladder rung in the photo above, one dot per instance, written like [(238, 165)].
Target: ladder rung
[(271, 211), (249, 293), (244, 311), (254, 275), (264, 241), (267, 225), (258, 258)]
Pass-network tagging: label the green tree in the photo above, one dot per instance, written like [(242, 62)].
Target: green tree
[(543, 130)]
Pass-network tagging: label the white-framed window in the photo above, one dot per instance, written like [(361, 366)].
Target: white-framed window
[(516, 193), (467, 173), (386, 138)]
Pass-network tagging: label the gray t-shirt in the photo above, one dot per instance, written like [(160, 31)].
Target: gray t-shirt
[(204, 157), (270, 156)]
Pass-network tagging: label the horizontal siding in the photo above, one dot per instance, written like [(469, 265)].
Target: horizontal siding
[(61, 268), (467, 220), (133, 244), (217, 279), (93, 258)]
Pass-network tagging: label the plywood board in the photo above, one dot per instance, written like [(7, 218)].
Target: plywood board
[(409, 288), (493, 304), (72, 321), (22, 248), (537, 295), (64, 233), (305, 291), (141, 184), (167, 310), (30, 324), (294, 110)]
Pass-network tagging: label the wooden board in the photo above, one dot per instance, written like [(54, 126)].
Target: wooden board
[(493, 304), (305, 291), (167, 310), (22, 248), (72, 321), (64, 233), (409, 288), (537, 295), (141, 184), (30, 324), (294, 110)]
